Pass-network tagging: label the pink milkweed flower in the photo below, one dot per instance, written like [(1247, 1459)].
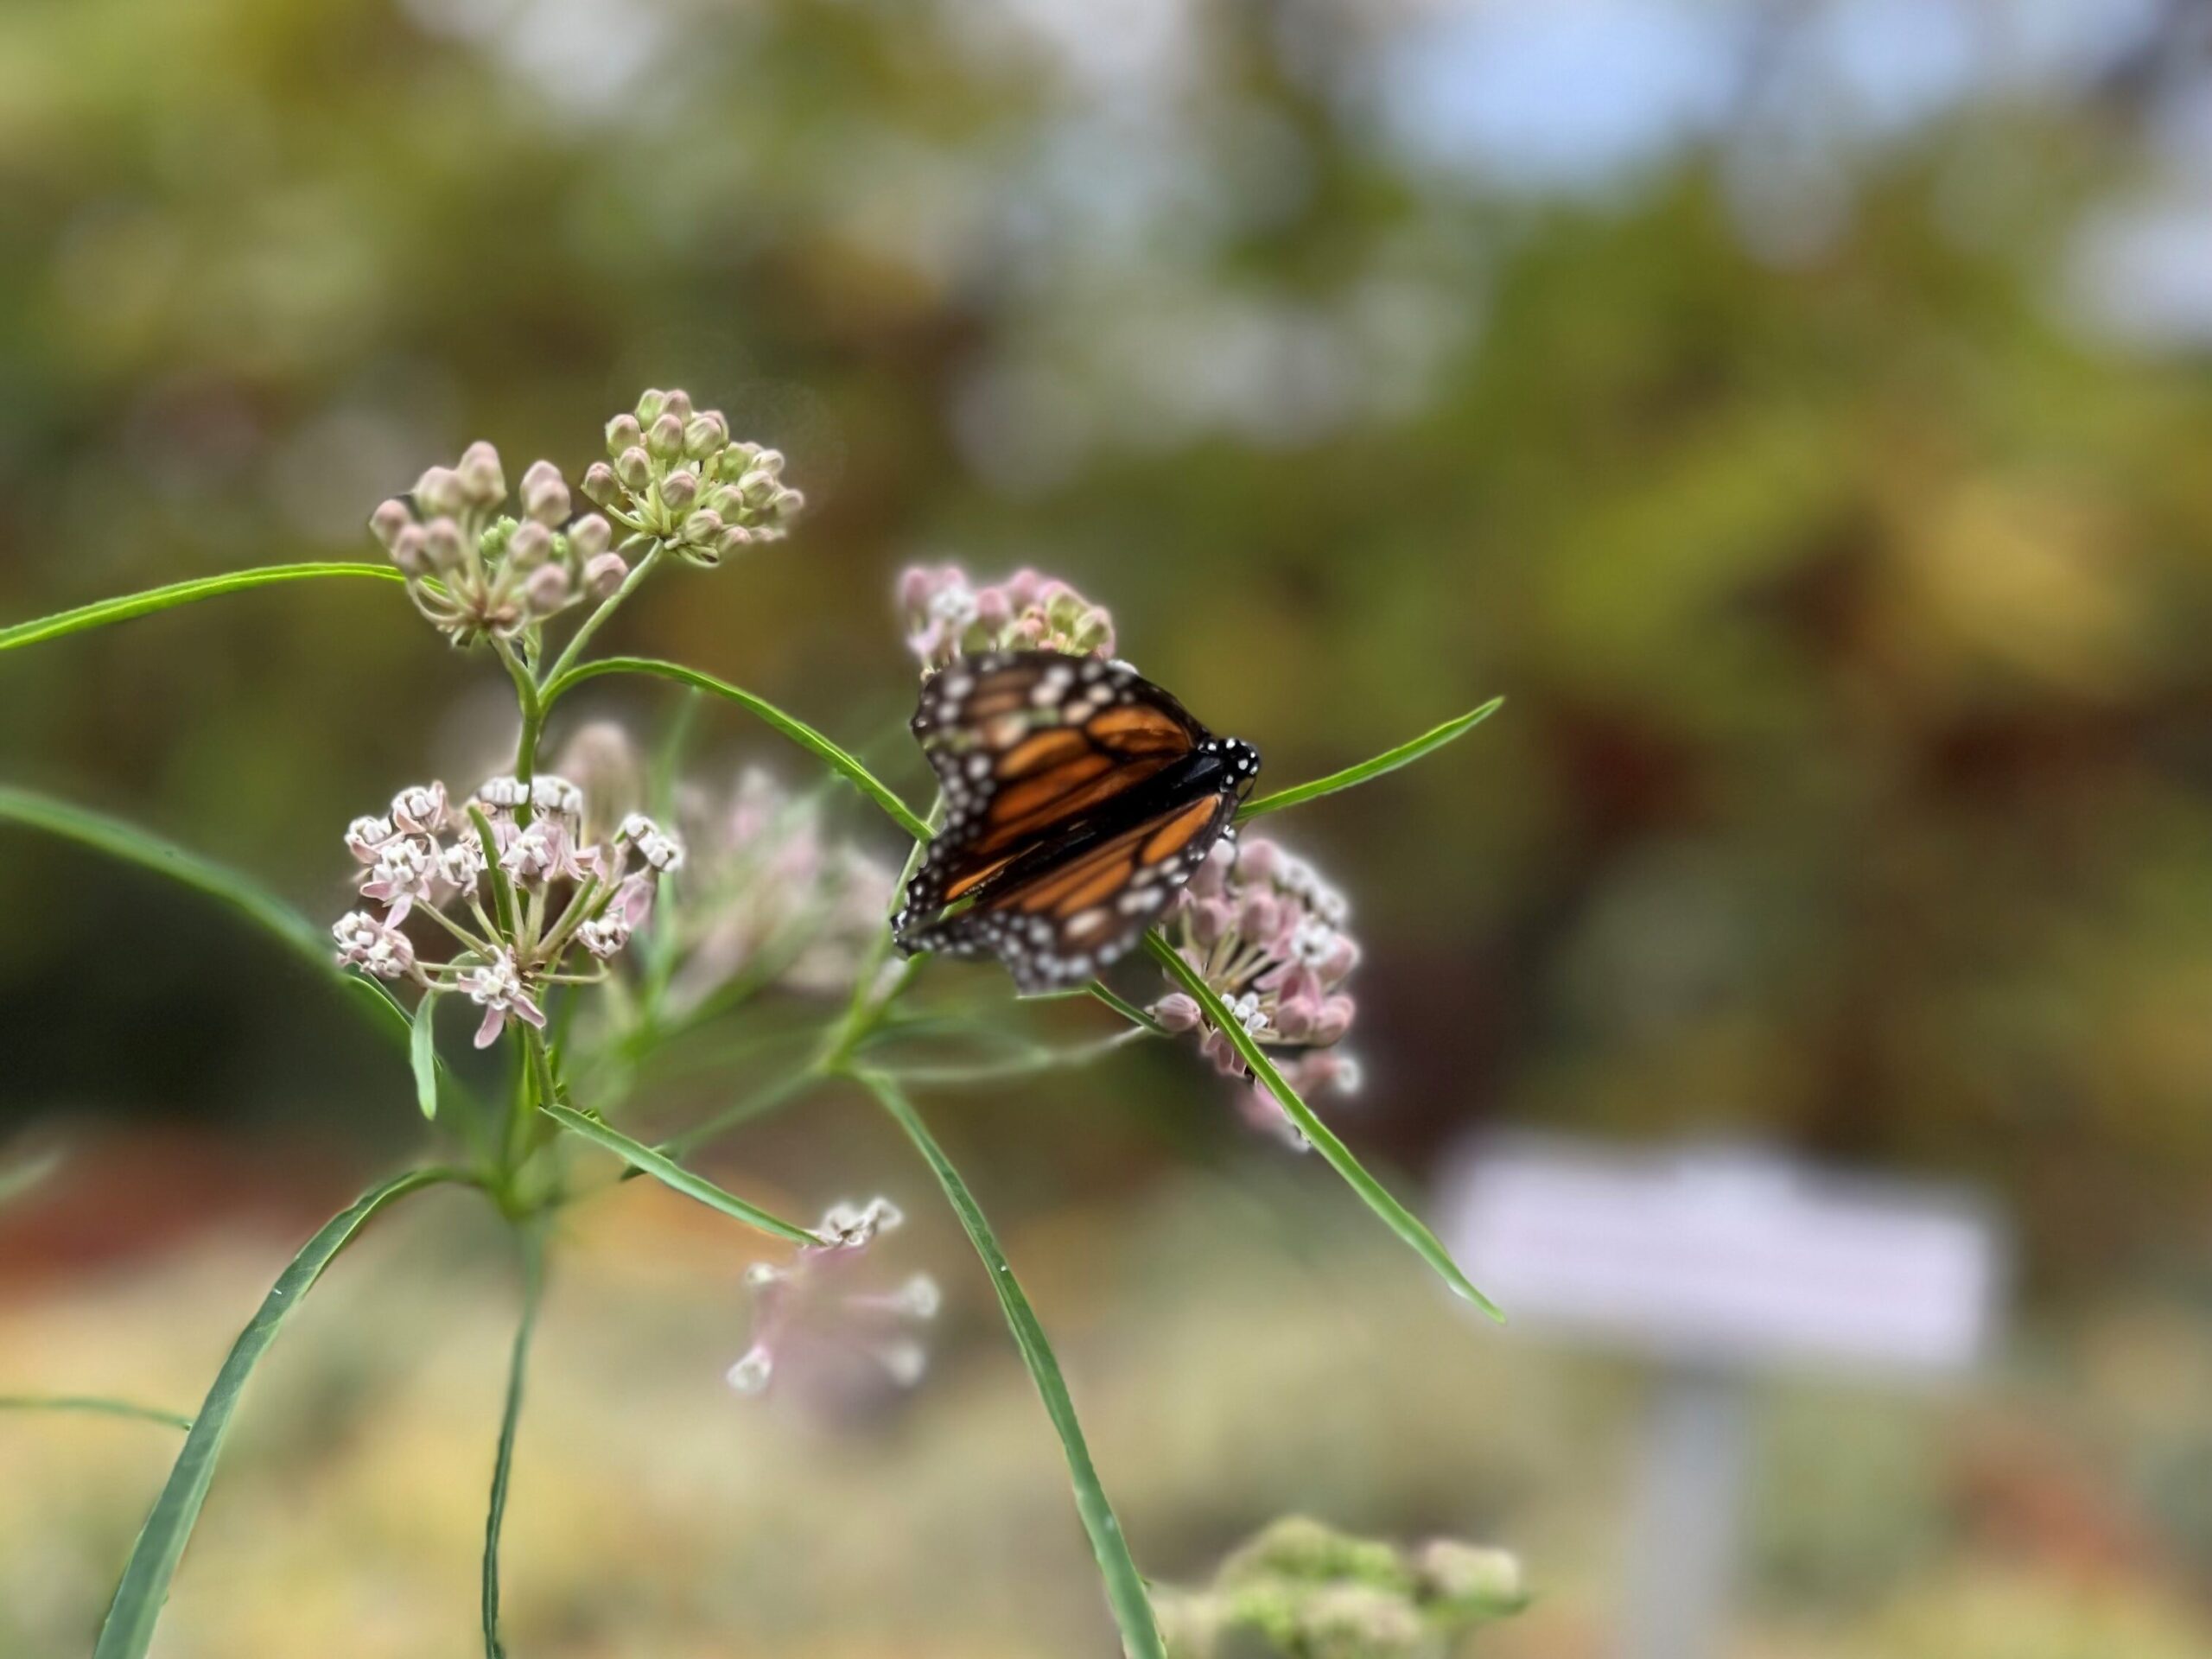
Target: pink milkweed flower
[(366, 837), (420, 809), (497, 987), (405, 870), (1266, 931), (547, 852), (814, 1326), (372, 945), (949, 616)]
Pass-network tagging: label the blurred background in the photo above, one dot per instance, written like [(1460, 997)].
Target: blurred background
[(1798, 409)]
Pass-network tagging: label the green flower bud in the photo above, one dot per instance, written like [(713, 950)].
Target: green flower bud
[(702, 527), (734, 540), (635, 469), (706, 434), (787, 505), (665, 438), (678, 403), (600, 485), (622, 432), (680, 489), (651, 402)]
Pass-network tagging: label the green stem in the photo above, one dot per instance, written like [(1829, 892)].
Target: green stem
[(533, 1291), (532, 706), (574, 647)]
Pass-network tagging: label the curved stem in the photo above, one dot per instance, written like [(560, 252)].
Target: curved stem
[(570, 651)]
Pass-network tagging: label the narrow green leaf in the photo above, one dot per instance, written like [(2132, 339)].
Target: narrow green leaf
[(533, 1292), (668, 1172), (135, 846), (1404, 755), (1129, 1010), (1394, 1214), (241, 893), (19, 1179), (103, 612), (842, 762), (93, 1403), (503, 892), (422, 1053), (1125, 1592), (145, 1585)]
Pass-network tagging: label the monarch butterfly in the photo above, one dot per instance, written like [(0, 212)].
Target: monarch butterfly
[(1078, 798)]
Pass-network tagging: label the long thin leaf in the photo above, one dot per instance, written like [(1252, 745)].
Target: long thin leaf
[(133, 845), (668, 1172), (423, 1054), (94, 1404), (99, 613), (145, 1584), (241, 893), (1394, 1214), (1404, 755), (1125, 1592), (533, 1292), (839, 760)]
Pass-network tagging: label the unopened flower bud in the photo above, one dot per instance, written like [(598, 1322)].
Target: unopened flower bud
[(481, 476), (1177, 1012), (680, 489), (388, 520), (665, 438), (600, 485), (408, 551), (1333, 1020), (734, 540), (678, 403), (547, 590), (442, 543), (605, 574), (702, 527), (787, 504), (769, 463), (634, 467), (530, 546), (622, 432), (590, 536), (706, 434), (651, 402), (440, 492), (545, 493)]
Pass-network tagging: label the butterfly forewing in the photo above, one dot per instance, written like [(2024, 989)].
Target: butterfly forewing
[(1078, 796)]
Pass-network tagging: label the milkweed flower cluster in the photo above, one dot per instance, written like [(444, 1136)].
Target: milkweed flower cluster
[(477, 572), (673, 476), (769, 895), (426, 857), (815, 1317), (948, 616), (1267, 933)]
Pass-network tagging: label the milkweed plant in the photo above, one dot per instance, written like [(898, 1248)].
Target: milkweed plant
[(585, 918)]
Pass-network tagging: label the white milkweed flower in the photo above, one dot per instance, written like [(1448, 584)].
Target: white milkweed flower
[(372, 945), (812, 1326), (496, 987)]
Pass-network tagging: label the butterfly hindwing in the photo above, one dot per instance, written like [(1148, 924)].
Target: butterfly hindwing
[(1078, 797)]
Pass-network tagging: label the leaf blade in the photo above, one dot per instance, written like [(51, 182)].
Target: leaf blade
[(831, 753), (423, 1054), (1125, 1591), (670, 1173), (129, 1627), (98, 1405), (533, 1293), (1400, 1220), (1389, 760), (104, 611)]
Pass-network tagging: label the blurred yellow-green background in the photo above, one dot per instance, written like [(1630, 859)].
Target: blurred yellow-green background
[(1798, 409)]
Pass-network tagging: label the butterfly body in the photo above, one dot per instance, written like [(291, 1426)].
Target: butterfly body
[(1079, 797)]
